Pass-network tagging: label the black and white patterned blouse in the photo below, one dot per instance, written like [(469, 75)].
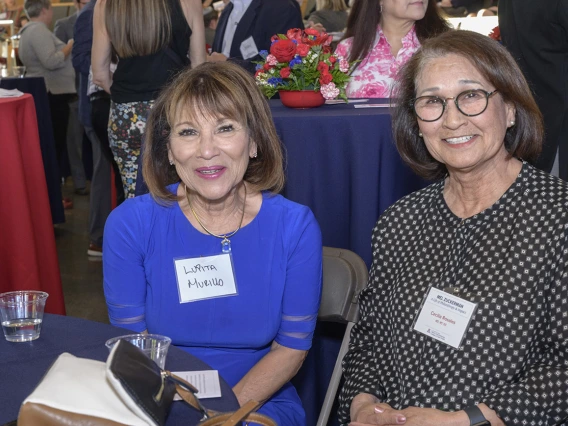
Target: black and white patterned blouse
[(511, 259)]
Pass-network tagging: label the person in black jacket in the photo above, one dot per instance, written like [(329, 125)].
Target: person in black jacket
[(536, 34), (254, 23)]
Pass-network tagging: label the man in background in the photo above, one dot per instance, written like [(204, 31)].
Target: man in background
[(246, 26), (63, 30), (536, 34)]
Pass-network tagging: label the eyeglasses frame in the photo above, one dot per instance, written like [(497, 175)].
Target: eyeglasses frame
[(455, 99)]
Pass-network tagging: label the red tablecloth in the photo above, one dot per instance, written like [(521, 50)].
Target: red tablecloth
[(28, 256)]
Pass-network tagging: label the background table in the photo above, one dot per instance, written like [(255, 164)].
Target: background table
[(343, 164), (36, 87), (22, 365), (28, 255)]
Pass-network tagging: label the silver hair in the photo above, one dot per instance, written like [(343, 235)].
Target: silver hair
[(34, 7)]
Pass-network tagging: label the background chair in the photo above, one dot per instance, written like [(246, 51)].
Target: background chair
[(344, 277)]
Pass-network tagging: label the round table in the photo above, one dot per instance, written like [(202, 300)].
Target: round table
[(27, 242), (35, 86), (22, 365)]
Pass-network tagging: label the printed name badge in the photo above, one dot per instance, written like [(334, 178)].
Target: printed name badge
[(248, 48), (205, 277), (445, 317)]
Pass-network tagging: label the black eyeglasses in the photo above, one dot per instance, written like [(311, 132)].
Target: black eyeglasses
[(470, 103)]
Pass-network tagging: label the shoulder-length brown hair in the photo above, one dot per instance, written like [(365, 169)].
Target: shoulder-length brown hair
[(496, 65), (220, 89), (364, 19), (335, 5), (138, 27)]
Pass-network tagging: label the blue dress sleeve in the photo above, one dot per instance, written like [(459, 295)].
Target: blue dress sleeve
[(302, 292), (123, 267)]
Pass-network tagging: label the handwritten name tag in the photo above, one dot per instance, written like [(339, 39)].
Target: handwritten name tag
[(205, 278), (248, 48), (445, 317)]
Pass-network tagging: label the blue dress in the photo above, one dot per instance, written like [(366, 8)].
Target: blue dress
[(277, 263)]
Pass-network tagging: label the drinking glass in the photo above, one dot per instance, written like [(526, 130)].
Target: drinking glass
[(154, 346), (21, 314), (19, 71)]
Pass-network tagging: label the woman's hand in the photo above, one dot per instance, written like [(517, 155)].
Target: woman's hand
[(416, 416), (367, 410), (318, 27), (378, 414)]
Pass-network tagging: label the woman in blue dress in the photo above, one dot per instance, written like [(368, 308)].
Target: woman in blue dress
[(212, 257)]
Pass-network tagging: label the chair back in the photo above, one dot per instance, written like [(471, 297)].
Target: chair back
[(344, 277)]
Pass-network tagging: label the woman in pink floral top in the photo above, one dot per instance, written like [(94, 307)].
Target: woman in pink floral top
[(370, 26)]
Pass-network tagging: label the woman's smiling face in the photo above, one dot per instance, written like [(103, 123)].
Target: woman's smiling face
[(211, 154), (458, 141)]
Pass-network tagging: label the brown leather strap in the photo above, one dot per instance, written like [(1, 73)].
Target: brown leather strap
[(256, 418), (245, 413), (241, 413)]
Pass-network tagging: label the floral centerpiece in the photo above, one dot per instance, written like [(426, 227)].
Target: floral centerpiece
[(302, 60)]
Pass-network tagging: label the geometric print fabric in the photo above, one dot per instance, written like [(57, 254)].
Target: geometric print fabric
[(511, 259)]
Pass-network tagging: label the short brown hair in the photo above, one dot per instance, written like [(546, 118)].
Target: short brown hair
[(496, 65), (213, 90), (138, 27)]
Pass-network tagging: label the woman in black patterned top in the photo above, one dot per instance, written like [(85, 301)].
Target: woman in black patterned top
[(465, 318)]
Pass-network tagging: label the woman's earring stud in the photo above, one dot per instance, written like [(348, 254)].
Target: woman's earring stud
[(171, 162), (512, 123), (420, 134)]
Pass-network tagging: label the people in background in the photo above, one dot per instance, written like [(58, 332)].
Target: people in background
[(383, 35), (330, 14), (464, 318), (542, 54), (214, 245), (210, 20), (246, 27), (461, 7), (9, 10), (44, 55), (63, 30), (94, 109), (152, 40)]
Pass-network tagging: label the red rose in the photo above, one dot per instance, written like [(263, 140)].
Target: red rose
[(332, 59), (312, 32), (326, 78), (326, 49), (323, 67), (303, 49), (285, 72), (294, 34), (328, 40), (267, 67), (274, 38), (283, 50)]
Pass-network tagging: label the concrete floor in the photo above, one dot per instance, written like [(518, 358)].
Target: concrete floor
[(81, 275)]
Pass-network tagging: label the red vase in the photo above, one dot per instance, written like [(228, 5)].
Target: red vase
[(301, 98)]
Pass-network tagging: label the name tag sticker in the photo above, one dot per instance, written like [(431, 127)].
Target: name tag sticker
[(248, 48), (205, 278), (445, 317)]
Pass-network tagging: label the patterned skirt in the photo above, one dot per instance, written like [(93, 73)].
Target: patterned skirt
[(126, 125)]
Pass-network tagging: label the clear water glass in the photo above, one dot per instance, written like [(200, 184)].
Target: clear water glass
[(21, 314), (154, 346)]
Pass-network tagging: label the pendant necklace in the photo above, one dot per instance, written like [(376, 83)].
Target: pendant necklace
[(225, 243)]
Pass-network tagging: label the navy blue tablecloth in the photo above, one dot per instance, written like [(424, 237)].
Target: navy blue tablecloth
[(36, 87), (22, 365), (341, 161)]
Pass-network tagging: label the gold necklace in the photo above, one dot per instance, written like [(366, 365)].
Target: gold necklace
[(225, 243)]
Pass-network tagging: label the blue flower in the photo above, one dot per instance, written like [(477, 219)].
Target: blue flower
[(297, 60), (273, 81), (263, 53), (295, 41), (258, 66)]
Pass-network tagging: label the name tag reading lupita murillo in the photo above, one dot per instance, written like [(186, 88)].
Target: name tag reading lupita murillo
[(445, 317), (205, 278)]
